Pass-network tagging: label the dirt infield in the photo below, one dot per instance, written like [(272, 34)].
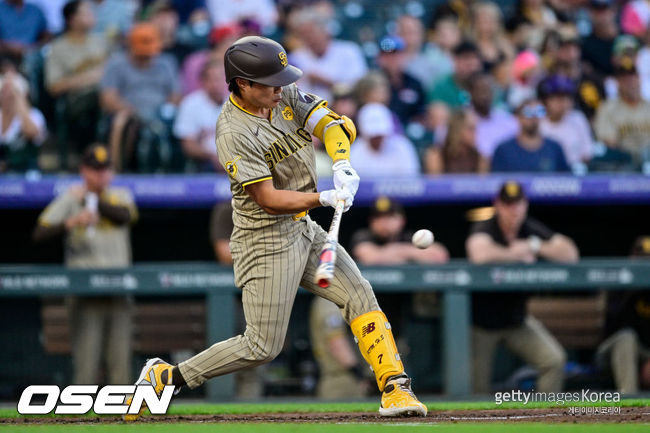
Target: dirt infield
[(559, 415)]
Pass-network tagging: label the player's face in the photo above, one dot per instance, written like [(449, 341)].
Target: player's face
[(262, 96), (511, 214), (96, 180), (387, 226)]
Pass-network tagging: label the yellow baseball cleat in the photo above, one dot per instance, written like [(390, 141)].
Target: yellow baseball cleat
[(151, 374), (398, 399)]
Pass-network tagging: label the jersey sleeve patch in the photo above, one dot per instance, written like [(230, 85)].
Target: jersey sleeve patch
[(231, 166)]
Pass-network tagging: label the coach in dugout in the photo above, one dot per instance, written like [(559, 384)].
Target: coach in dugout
[(511, 236), (626, 350), (94, 218)]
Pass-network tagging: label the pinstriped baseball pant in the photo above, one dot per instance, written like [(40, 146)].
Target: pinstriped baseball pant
[(269, 280)]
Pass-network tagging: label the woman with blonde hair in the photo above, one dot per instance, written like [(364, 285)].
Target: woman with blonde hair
[(458, 154), (489, 36)]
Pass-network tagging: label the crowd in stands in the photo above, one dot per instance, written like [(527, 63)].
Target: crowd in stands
[(464, 86)]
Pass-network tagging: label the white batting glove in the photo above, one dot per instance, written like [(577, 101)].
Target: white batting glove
[(345, 176), (331, 196)]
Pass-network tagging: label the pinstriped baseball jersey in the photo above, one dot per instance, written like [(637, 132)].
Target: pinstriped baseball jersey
[(272, 254), (254, 149)]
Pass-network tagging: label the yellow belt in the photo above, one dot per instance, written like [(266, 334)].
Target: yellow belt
[(297, 216)]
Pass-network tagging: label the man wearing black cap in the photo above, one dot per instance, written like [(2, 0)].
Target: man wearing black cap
[(626, 351), (624, 123), (94, 220), (453, 89), (511, 236), (385, 242), (264, 143)]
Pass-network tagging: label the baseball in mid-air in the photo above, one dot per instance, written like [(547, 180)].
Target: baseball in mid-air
[(423, 238)]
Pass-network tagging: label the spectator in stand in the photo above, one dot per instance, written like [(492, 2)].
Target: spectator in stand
[(452, 89), (529, 24), (597, 47), (458, 154), (379, 150), (459, 11), (407, 98), (220, 39), (624, 123), (94, 219), (626, 351), (529, 151), (191, 11), (135, 87), (22, 27), (435, 123), (569, 127), (372, 87), (590, 90), (625, 47), (526, 72), (489, 36), (428, 62), (494, 124), (163, 15), (197, 115), (323, 60), (386, 242), (113, 18), (511, 236), (445, 37), (73, 70), (375, 88), (264, 12), (22, 128)]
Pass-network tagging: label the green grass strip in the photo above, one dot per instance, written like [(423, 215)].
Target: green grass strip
[(330, 428), (238, 408), (315, 407)]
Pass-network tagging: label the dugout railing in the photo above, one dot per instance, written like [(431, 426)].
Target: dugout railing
[(455, 281)]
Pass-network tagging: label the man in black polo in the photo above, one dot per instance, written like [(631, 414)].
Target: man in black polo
[(511, 236)]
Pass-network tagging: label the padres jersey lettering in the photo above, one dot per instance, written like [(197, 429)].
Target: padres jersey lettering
[(253, 149)]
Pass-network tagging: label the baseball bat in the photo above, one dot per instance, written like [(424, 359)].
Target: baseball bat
[(327, 258)]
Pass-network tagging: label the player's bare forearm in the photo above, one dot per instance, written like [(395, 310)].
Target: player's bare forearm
[(390, 254), (280, 201), (559, 249), (481, 249), (434, 254)]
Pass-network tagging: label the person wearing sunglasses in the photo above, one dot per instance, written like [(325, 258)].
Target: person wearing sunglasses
[(529, 151)]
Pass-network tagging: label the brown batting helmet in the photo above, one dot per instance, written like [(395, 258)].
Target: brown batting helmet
[(261, 60)]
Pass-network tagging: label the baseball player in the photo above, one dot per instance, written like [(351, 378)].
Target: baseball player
[(264, 142)]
